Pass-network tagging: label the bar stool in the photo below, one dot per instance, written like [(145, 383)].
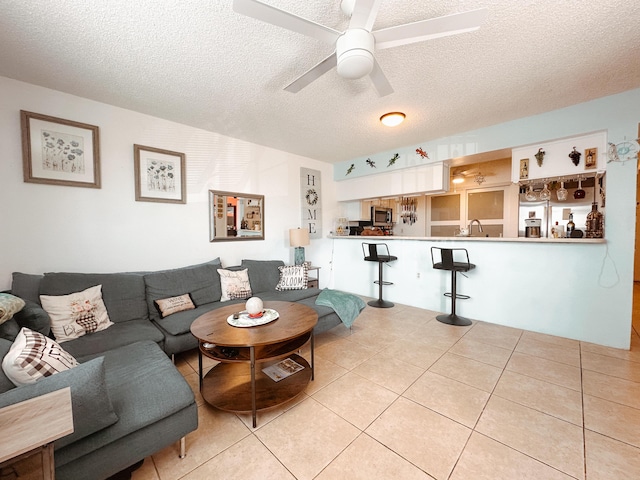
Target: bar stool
[(446, 257), (378, 252)]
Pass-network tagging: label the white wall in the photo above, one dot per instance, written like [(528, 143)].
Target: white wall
[(59, 228)]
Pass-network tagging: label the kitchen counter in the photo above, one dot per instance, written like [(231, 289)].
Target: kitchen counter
[(567, 287), (471, 239)]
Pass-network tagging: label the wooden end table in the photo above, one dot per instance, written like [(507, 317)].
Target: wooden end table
[(235, 385), (30, 427)]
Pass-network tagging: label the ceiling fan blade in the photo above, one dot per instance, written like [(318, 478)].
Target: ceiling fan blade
[(275, 16), (364, 14), (313, 74), (379, 80), (429, 29)]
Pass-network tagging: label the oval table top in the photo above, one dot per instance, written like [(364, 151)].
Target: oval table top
[(294, 320)]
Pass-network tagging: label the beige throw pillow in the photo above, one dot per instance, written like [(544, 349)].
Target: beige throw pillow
[(234, 284), (9, 306), (77, 314), (33, 356), (168, 306)]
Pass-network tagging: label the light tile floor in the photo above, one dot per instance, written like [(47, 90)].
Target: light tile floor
[(404, 396)]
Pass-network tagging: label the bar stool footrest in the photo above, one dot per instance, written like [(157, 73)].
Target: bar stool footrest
[(384, 282), (458, 296)]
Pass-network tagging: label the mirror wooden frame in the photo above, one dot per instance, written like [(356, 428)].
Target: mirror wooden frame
[(219, 209)]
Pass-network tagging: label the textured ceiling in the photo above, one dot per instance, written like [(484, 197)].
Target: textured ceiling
[(199, 63)]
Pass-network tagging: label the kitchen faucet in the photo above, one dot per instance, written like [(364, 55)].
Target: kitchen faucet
[(471, 226)]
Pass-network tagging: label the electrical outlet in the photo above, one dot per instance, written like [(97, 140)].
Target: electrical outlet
[(418, 275)]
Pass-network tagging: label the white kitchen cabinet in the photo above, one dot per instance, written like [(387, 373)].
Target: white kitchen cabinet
[(431, 178), (556, 162)]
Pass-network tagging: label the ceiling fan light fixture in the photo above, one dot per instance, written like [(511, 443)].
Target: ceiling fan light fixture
[(354, 52), (392, 119)]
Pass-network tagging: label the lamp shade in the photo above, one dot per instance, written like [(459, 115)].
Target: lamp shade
[(298, 237)]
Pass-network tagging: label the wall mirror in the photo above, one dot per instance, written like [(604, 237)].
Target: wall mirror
[(235, 216)]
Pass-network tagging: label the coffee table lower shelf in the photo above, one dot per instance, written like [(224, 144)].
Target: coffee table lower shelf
[(227, 386)]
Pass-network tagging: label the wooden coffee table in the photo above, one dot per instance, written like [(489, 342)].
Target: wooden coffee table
[(235, 384)]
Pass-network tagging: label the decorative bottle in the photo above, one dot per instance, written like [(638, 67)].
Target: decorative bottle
[(570, 226), (595, 222)]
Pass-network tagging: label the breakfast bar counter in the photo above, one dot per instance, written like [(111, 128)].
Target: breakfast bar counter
[(567, 287), (467, 238)]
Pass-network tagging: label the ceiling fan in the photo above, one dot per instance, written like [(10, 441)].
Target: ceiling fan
[(354, 48)]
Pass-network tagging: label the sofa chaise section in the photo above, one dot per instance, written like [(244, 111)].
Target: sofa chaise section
[(127, 404)]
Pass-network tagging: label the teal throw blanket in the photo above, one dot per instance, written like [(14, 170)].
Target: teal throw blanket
[(346, 305)]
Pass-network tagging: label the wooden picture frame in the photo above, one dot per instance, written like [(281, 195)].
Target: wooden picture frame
[(590, 158), (524, 168), (160, 175), (57, 151)]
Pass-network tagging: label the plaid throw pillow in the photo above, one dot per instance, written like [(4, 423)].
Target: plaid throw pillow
[(234, 284), (33, 356), (76, 314)]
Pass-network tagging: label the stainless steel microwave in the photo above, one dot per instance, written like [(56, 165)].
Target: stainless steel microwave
[(381, 216)]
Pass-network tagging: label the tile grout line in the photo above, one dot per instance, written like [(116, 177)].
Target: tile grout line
[(584, 423)]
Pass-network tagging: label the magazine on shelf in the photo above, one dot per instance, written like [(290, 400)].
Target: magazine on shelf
[(282, 369)]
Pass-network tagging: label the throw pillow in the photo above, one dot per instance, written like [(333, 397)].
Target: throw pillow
[(33, 356), (77, 314), (234, 284), (9, 305), (167, 306), (293, 277)]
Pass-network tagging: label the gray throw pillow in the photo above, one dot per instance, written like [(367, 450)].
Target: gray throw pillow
[(92, 408), (34, 318)]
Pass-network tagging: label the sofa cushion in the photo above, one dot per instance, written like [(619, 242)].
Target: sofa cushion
[(201, 281), (76, 314), (171, 305), (9, 306), (91, 404), (180, 323), (119, 335), (34, 317), (263, 274), (234, 284), (9, 330), (144, 387), (5, 383), (290, 295), (33, 356), (123, 293), (26, 286)]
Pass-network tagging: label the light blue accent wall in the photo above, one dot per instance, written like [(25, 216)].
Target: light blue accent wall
[(619, 114), (583, 292)]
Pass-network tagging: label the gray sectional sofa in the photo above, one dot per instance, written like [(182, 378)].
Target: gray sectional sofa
[(128, 399)]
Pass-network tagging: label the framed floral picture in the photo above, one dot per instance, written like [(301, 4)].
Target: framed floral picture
[(59, 152), (160, 175)]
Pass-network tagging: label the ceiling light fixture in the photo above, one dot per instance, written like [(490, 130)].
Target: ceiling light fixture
[(458, 178), (392, 119)]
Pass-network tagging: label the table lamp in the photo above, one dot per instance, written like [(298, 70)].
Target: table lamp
[(298, 238)]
